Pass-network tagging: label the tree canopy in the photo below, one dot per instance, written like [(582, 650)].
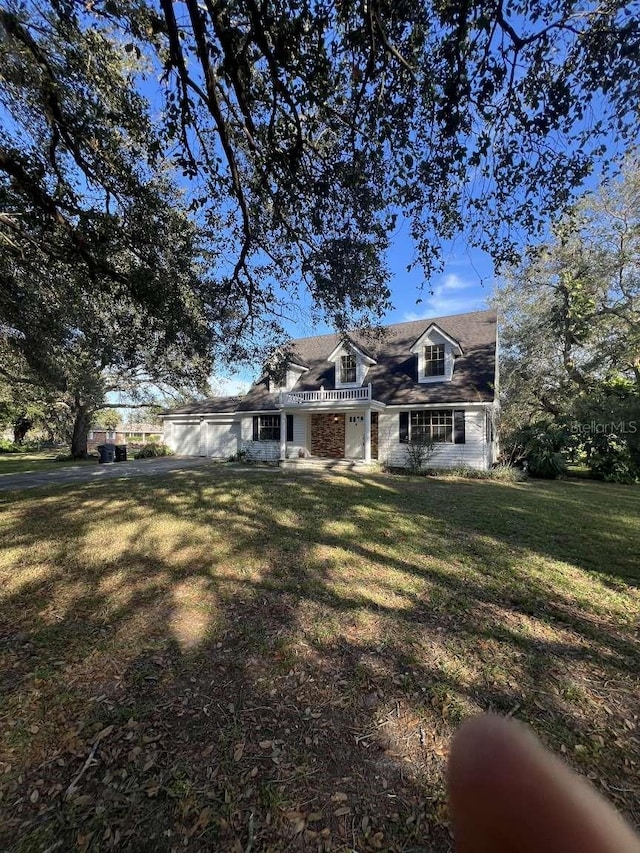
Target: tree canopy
[(570, 325), (301, 130), (174, 177)]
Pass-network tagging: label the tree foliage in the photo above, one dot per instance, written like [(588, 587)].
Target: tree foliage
[(302, 128), (570, 329), (102, 280), (175, 177), (110, 418)]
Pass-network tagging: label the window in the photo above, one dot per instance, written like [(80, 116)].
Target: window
[(348, 368), (434, 425), (266, 428), (434, 360)]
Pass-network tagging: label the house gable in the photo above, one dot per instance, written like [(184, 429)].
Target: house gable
[(351, 364), (287, 381), (436, 352)]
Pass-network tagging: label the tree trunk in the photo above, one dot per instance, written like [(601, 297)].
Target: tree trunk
[(20, 428), (81, 423)]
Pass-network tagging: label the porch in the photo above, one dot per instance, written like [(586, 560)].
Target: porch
[(316, 463), (333, 435)]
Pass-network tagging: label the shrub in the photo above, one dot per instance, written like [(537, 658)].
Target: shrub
[(419, 451), (539, 446), (610, 459), (503, 473), (465, 472), (507, 474), (152, 450), (9, 446)]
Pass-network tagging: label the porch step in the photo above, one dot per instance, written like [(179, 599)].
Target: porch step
[(319, 464)]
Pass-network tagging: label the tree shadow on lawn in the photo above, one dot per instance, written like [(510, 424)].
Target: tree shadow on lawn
[(278, 663)]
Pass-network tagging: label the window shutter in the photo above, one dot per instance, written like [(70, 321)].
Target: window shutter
[(458, 427), (289, 427), (404, 427), (256, 428)]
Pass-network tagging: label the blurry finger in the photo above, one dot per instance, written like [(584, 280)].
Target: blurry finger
[(508, 793)]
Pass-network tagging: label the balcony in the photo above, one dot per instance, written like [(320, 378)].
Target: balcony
[(347, 396)]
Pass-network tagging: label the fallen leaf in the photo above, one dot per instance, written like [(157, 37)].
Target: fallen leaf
[(342, 811), (238, 751), (339, 797), (202, 822), (103, 733)]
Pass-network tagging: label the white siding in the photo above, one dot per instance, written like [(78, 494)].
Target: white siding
[(269, 451), (246, 429), (447, 455), (257, 451), (262, 451), (434, 338), (361, 371), (299, 436)]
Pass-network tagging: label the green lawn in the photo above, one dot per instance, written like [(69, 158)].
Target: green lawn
[(269, 661), (42, 460)]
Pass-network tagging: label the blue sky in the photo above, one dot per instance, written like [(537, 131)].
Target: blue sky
[(465, 284)]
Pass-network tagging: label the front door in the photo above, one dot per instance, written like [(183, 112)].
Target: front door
[(354, 437)]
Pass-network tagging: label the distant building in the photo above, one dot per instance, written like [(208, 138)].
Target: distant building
[(124, 434)]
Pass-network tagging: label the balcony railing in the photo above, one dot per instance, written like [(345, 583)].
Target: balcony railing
[(338, 395)]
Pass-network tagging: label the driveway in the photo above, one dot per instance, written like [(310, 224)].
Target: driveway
[(92, 474)]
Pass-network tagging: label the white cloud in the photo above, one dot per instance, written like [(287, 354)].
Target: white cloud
[(230, 386), (454, 282), (450, 296)]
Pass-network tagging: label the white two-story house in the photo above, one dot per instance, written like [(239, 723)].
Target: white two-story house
[(362, 399)]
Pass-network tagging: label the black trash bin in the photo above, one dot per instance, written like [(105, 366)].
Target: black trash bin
[(107, 452), (121, 452)]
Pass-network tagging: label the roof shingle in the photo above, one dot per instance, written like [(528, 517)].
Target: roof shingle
[(394, 377)]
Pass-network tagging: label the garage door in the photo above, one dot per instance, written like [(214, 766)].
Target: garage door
[(223, 440), (185, 439)]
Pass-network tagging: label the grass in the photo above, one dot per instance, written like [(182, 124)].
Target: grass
[(258, 660), (42, 460)]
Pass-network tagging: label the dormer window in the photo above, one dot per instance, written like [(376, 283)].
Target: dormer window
[(282, 376), (348, 367), (434, 360), (351, 363), (435, 352)]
